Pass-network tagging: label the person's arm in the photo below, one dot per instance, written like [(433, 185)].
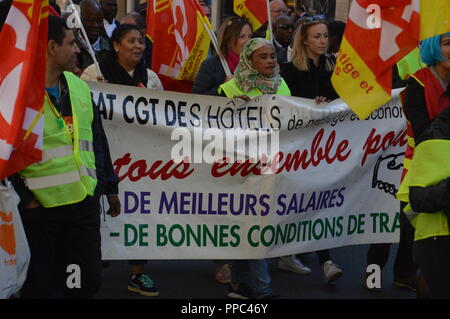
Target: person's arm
[(107, 179), (27, 199), (205, 81), (415, 107), (430, 199)]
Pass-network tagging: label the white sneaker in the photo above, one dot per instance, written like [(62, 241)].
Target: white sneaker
[(292, 263), (331, 271)]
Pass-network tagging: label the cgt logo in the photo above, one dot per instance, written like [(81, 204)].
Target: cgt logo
[(7, 239)]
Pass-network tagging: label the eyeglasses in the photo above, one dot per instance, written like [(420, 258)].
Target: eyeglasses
[(282, 11), (285, 27)]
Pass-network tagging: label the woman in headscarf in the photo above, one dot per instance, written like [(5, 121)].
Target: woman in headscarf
[(425, 188), (256, 74)]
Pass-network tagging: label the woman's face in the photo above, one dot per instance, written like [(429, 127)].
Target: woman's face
[(244, 36), (264, 60), (131, 47), (317, 40), (445, 47)]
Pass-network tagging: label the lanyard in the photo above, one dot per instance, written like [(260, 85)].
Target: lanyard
[(59, 119)]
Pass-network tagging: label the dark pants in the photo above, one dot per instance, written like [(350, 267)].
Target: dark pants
[(324, 256), (432, 255), (404, 263), (59, 237)]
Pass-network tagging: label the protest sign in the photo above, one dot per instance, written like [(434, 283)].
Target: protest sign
[(328, 179)]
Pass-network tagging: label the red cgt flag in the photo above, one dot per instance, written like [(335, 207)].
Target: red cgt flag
[(180, 41), (22, 83)]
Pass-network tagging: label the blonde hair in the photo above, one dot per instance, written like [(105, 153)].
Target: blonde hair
[(300, 51)]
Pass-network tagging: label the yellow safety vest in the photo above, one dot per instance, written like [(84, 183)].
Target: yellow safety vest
[(66, 174), (410, 64), (429, 166), (231, 89)]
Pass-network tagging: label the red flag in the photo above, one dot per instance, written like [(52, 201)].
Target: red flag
[(363, 73), (254, 10), (180, 41), (22, 83)]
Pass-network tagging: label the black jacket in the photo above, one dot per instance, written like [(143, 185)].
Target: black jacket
[(309, 84), (210, 76), (107, 180)]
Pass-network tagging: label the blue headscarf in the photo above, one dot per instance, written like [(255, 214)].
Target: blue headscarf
[(430, 50)]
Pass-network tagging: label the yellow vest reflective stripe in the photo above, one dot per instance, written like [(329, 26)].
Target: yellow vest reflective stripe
[(428, 166), (66, 174), (231, 89)]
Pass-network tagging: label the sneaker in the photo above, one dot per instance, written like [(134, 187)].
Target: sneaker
[(239, 291), (292, 263), (142, 284), (407, 282), (223, 274), (331, 271)]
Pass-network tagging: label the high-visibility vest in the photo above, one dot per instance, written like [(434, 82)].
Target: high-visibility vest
[(410, 64), (231, 89), (66, 174), (432, 90), (422, 163), (429, 166)]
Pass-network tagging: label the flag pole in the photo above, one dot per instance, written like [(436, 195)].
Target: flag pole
[(214, 41), (269, 22), (86, 39)]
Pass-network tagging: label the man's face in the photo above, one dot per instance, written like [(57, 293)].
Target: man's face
[(283, 30), (92, 19), (65, 55), (277, 8), (109, 8)]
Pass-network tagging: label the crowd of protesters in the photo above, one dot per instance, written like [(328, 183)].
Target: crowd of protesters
[(297, 61)]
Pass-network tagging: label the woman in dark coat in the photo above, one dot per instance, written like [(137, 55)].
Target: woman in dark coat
[(233, 34)]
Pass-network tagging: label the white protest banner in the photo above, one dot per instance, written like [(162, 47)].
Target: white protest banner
[(326, 179)]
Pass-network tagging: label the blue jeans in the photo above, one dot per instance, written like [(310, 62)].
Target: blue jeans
[(254, 273)]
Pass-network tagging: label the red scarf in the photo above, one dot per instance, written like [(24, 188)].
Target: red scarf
[(232, 61)]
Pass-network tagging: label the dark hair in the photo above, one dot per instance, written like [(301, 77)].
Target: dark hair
[(229, 32), (121, 30), (57, 28)]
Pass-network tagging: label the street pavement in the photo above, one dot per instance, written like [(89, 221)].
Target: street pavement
[(194, 279)]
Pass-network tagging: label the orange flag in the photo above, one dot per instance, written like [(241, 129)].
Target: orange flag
[(22, 84), (180, 41), (363, 72), (254, 10)]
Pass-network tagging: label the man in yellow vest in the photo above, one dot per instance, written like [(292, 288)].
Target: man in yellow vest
[(59, 195)]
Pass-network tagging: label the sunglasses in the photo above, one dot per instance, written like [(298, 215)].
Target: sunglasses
[(285, 27), (310, 19)]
